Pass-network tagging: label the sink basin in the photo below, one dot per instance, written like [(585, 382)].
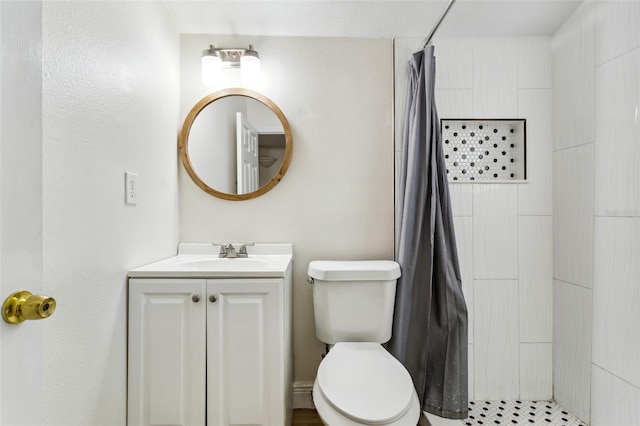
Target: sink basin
[(267, 260), (221, 264)]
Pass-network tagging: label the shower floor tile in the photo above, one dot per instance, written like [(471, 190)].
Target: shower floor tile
[(519, 413)]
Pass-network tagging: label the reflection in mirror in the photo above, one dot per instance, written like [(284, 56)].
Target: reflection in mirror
[(236, 144)]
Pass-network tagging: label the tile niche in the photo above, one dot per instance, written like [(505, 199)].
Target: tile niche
[(484, 150)]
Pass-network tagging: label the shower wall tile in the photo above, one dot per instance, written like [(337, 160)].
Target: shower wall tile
[(536, 369), (534, 63), (536, 279), (495, 77), (496, 346), (454, 103), (616, 297), (614, 401), (534, 197), (464, 242), (573, 79), (501, 78), (461, 199), (573, 215), (572, 347), (495, 231), (617, 155), (454, 63), (616, 29)]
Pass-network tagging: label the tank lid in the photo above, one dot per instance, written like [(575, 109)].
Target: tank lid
[(354, 270)]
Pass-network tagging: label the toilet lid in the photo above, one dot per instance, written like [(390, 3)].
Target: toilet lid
[(365, 383)]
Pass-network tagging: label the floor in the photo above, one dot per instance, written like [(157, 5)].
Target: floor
[(304, 417), (485, 413), (513, 413), (519, 412)]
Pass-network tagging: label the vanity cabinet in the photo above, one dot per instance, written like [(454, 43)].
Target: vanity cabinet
[(209, 351)]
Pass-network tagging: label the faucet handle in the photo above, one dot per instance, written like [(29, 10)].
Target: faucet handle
[(223, 249), (243, 248)]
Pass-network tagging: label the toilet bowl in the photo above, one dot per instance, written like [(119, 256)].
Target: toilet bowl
[(362, 384)]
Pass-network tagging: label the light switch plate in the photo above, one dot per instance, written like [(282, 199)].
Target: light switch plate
[(130, 188)]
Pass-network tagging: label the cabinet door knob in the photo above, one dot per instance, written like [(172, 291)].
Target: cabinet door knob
[(212, 298), (195, 298)]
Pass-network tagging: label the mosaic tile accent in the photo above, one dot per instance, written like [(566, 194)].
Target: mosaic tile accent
[(484, 150), (519, 413)]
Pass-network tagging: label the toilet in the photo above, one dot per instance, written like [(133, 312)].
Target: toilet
[(358, 381)]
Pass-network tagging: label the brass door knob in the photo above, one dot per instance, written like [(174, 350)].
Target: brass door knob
[(22, 305)]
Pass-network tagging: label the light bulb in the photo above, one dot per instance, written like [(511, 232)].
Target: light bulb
[(250, 67), (211, 67)]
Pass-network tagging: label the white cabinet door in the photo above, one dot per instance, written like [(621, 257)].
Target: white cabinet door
[(167, 359), (244, 352)]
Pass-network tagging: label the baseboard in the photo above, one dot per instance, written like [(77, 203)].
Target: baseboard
[(302, 395)]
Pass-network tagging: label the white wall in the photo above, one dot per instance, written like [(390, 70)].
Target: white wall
[(503, 231), (110, 105), (596, 71), (336, 200), (20, 206)]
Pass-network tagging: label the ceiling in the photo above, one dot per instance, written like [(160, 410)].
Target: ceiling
[(370, 19)]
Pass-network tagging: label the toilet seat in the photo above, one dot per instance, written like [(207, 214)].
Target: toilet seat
[(365, 383)]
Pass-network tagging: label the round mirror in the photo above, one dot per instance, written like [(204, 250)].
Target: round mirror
[(236, 144)]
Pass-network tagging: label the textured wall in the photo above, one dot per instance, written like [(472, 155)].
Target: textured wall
[(503, 231), (110, 105), (336, 200)]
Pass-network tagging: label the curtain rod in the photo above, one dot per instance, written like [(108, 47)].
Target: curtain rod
[(438, 22)]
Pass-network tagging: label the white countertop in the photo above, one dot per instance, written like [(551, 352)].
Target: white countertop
[(202, 261)]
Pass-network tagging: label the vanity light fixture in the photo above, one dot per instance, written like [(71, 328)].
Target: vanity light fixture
[(215, 59)]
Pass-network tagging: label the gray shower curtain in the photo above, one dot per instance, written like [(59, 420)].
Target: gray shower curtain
[(430, 318)]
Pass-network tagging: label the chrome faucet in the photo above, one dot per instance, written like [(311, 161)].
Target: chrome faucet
[(229, 251)]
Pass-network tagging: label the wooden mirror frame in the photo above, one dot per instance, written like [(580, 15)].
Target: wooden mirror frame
[(183, 142)]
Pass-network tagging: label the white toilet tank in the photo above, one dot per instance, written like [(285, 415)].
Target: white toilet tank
[(353, 300)]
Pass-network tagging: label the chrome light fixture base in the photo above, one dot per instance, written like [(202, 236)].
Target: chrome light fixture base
[(230, 56)]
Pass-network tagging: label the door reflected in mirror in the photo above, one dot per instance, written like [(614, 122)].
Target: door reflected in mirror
[(236, 144)]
